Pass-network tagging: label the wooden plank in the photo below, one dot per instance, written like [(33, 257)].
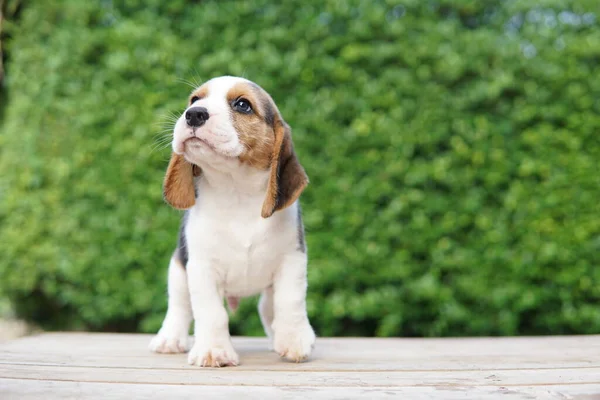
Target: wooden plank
[(233, 376), (83, 365), (330, 354), (271, 362), (50, 390)]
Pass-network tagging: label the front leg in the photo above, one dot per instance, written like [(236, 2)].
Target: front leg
[(294, 337), (173, 335), (212, 347)]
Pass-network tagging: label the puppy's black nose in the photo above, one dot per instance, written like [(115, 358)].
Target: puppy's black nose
[(196, 116)]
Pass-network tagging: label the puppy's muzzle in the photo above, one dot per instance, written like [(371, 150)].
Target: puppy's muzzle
[(196, 116)]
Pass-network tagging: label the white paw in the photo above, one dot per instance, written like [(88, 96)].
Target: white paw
[(295, 342), (221, 355), (169, 343)]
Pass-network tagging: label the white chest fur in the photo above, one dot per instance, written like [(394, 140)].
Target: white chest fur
[(226, 233)]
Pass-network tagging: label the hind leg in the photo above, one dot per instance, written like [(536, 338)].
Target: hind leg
[(265, 310), (173, 335)]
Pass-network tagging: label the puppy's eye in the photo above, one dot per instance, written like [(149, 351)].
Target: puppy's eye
[(242, 105), (194, 99)]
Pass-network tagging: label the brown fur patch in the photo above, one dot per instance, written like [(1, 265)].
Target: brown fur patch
[(178, 186), (255, 129), (201, 92), (287, 179)]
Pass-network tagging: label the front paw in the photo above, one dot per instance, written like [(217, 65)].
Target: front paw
[(294, 342), (165, 342), (221, 355)]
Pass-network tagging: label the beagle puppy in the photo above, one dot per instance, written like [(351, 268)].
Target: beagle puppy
[(234, 170)]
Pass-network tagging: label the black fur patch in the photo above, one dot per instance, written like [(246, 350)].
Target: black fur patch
[(182, 253), (269, 111), (300, 231)]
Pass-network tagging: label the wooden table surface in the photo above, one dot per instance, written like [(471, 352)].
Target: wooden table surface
[(119, 366)]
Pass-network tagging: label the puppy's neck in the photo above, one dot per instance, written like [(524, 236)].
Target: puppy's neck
[(243, 179)]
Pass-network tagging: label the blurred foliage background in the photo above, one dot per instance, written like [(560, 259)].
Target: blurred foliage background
[(452, 147)]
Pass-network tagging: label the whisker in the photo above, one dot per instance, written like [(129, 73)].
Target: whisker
[(161, 137), (166, 130), (152, 151), (186, 82), (155, 148), (165, 124), (170, 116), (160, 145), (197, 78), (164, 139)]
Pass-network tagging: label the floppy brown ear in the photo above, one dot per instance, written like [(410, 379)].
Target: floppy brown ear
[(178, 186), (287, 179)]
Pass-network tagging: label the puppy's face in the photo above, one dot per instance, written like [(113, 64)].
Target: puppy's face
[(231, 122), (227, 119)]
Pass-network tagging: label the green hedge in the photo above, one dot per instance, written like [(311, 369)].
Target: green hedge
[(452, 146)]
